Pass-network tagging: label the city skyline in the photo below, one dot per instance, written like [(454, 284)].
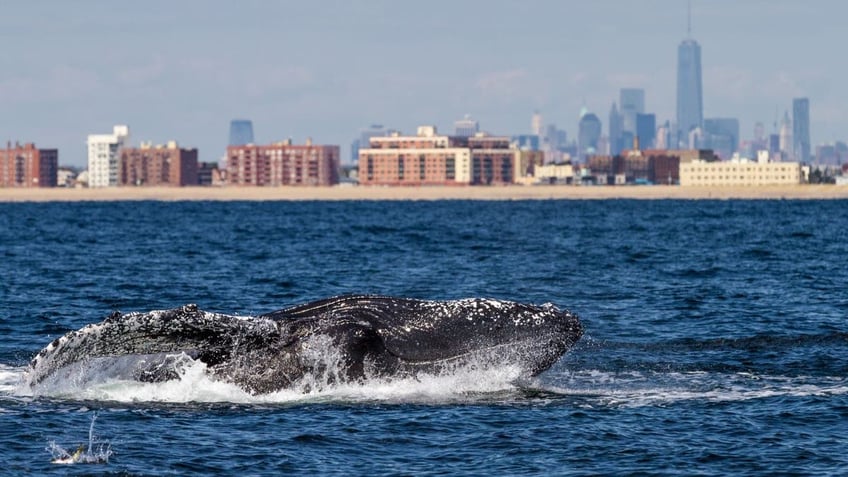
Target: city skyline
[(329, 71)]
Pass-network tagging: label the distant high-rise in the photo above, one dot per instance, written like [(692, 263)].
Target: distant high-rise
[(364, 139), (589, 131), (786, 135), (241, 132), (722, 136), (526, 142), (104, 156), (646, 130), (632, 102), (690, 100), (661, 141), (374, 130), (801, 129), (614, 130), (466, 127), (536, 125)]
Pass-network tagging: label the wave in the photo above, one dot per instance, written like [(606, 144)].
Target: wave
[(638, 389)]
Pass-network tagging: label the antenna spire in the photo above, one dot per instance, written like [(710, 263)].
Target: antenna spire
[(689, 18)]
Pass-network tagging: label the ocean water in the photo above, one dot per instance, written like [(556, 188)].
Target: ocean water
[(716, 336)]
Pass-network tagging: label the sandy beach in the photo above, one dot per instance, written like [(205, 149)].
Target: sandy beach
[(515, 192)]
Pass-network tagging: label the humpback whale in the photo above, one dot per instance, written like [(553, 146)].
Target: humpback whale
[(345, 339)]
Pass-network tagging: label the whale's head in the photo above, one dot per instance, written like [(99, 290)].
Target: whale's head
[(414, 335)]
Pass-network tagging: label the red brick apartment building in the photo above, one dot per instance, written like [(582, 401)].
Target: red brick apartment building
[(282, 164), (158, 166), (431, 159), (26, 166), (653, 165)]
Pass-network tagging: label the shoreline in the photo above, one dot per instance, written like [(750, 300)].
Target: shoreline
[(421, 193)]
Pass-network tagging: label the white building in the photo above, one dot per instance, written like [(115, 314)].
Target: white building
[(554, 173), (104, 156)]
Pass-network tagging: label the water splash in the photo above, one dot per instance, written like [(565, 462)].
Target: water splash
[(104, 380), (96, 452), (638, 388)]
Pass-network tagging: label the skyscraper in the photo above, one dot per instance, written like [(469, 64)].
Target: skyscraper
[(801, 129), (722, 136), (632, 102), (536, 126), (614, 130), (786, 135), (466, 127), (690, 102), (646, 130), (589, 131), (241, 132)]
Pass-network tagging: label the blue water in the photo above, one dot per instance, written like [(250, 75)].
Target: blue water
[(716, 338)]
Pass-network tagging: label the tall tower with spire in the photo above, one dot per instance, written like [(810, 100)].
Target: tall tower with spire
[(690, 102)]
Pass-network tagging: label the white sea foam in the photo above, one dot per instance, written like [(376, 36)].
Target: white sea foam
[(636, 389), (11, 378), (105, 380)]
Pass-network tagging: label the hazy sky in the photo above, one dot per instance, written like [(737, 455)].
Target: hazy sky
[(326, 69)]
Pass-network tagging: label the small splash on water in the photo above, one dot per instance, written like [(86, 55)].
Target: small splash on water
[(96, 452), (11, 379)]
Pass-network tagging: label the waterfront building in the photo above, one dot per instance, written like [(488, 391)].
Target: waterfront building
[(554, 174), (104, 156), (740, 172), (690, 107), (66, 177), (432, 159), (167, 165), (526, 163), (493, 160), (26, 166), (241, 132), (283, 163), (801, 129), (206, 172)]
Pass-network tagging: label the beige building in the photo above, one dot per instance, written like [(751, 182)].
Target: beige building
[(740, 173), (432, 159)]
